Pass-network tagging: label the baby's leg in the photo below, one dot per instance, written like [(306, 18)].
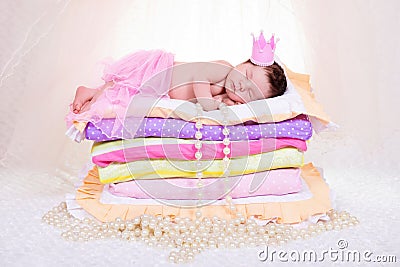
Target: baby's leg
[(82, 96)]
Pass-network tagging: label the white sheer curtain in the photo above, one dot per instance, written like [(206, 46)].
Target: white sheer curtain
[(50, 47), (352, 53)]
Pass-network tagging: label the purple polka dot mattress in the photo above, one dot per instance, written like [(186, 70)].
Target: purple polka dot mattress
[(298, 127)]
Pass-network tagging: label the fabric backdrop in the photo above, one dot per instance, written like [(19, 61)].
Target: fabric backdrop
[(51, 47)]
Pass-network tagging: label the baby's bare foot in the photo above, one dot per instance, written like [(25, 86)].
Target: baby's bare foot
[(83, 95)]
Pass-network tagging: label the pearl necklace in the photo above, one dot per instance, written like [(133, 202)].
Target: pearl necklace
[(226, 160), (198, 155), (189, 237)]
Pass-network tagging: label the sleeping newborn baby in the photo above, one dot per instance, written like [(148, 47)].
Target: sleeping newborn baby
[(209, 83)]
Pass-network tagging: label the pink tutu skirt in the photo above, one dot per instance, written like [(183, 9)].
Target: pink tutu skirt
[(146, 73)]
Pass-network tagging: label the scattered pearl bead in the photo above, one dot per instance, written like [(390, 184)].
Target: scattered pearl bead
[(190, 237)]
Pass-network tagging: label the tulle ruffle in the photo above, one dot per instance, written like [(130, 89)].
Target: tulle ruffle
[(89, 194), (147, 73)]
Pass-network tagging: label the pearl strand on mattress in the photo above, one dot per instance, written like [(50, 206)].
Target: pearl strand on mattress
[(226, 159), (198, 155)]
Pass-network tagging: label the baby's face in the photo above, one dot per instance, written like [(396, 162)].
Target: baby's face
[(247, 82)]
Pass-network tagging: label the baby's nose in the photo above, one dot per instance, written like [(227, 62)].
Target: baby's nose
[(236, 85)]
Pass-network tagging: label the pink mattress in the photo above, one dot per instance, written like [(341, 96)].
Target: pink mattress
[(274, 182)]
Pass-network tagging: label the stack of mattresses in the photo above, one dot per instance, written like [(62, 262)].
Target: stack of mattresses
[(244, 160), (169, 174)]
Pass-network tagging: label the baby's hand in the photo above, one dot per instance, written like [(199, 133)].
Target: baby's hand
[(229, 102), (223, 98), (219, 98)]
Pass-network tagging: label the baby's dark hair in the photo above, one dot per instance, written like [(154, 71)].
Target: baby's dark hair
[(276, 77)]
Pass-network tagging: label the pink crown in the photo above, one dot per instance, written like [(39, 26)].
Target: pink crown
[(263, 51)]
